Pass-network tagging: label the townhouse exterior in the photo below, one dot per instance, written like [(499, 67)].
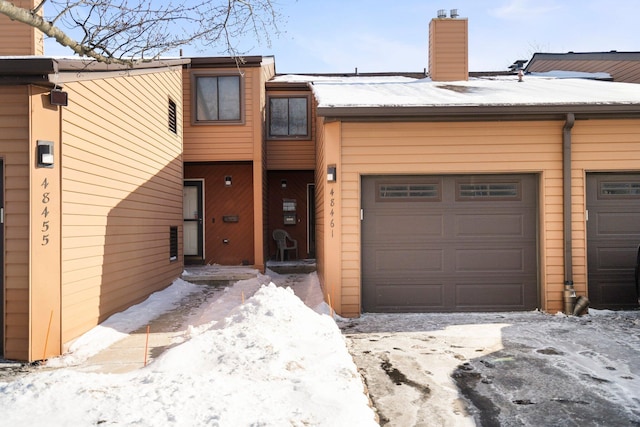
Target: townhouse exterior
[(413, 194), (91, 200)]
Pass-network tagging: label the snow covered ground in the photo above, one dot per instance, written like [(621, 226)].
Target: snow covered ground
[(256, 354), (500, 369), (270, 361)]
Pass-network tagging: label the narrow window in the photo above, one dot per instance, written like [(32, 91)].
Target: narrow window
[(409, 191), (173, 119), (288, 117), (173, 243), (619, 189), (217, 99), (489, 191)]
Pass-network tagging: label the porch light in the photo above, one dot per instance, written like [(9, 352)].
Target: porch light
[(58, 97), (331, 173), (44, 154), (283, 183), (227, 181)]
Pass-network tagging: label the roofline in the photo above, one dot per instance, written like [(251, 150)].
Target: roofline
[(48, 70), (72, 64), (613, 55), (480, 113), (229, 61)]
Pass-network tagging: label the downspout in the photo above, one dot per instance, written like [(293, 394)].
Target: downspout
[(569, 291)]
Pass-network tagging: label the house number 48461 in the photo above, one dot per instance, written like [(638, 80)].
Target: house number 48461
[(45, 213)]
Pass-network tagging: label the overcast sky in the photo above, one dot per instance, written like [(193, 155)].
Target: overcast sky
[(321, 36)]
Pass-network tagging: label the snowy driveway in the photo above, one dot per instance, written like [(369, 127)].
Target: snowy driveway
[(500, 369)]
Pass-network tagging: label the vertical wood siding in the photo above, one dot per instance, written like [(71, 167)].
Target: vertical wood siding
[(297, 190), (220, 201), (14, 143), (122, 191), (453, 148), (223, 142), (597, 146)]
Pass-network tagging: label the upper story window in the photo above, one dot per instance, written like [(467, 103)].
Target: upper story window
[(289, 117), (217, 99)]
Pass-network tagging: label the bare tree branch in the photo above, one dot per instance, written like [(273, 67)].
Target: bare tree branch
[(130, 31)]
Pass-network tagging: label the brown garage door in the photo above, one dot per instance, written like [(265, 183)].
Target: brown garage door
[(613, 237), (449, 243)]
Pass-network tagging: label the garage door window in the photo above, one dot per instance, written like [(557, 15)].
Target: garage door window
[(418, 192), (489, 191), (619, 189)]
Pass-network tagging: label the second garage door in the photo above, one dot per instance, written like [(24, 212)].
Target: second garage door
[(449, 243)]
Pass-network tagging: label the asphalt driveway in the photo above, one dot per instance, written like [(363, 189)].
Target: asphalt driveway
[(500, 369)]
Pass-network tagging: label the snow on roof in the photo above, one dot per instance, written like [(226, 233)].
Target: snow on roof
[(493, 91), (302, 78), (562, 74)]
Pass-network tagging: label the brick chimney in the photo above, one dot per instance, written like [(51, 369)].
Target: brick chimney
[(448, 47), (18, 39)]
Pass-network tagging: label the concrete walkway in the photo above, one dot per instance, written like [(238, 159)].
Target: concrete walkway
[(170, 328), (165, 332)]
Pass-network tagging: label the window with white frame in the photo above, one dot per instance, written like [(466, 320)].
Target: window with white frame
[(217, 99)]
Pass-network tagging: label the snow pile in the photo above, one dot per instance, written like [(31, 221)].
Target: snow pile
[(273, 361)]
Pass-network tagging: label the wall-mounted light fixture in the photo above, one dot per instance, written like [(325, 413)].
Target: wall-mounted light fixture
[(331, 173), (283, 183), (44, 154), (227, 181), (58, 97)]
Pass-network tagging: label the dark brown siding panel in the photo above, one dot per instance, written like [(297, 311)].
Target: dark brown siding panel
[(296, 189), (226, 242)]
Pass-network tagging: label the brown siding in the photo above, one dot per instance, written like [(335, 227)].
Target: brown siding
[(320, 197), (448, 49), (296, 154), (220, 201), (122, 191), (597, 146), (14, 143), (267, 71), (445, 148), (297, 190), (45, 225), (17, 38), (329, 225), (224, 142), (290, 155), (235, 142)]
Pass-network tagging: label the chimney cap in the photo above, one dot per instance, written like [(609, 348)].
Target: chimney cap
[(518, 64), (454, 13), (442, 13)]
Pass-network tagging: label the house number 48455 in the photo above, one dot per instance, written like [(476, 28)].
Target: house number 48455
[(45, 213)]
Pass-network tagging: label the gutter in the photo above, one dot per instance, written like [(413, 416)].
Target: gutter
[(478, 112), (569, 291)]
